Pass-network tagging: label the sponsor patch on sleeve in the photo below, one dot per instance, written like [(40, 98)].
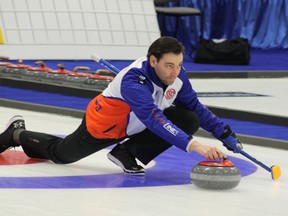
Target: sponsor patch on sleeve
[(142, 79), (171, 129)]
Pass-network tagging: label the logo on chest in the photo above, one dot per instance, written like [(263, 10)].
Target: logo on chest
[(170, 93)]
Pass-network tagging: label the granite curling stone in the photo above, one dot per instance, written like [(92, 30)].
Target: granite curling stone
[(216, 175)]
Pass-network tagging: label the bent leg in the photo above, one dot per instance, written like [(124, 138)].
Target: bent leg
[(146, 145)]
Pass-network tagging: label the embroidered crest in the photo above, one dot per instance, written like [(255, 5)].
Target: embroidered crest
[(170, 93)]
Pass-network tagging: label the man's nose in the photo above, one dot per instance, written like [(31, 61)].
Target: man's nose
[(175, 70)]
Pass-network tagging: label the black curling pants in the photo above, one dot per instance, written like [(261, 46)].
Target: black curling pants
[(145, 145), (72, 148)]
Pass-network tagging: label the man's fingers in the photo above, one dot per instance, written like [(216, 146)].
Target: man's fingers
[(215, 153)]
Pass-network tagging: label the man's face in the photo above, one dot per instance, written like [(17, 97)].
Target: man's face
[(168, 67)]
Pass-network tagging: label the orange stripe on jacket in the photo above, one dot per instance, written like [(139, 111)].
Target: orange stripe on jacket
[(107, 118)]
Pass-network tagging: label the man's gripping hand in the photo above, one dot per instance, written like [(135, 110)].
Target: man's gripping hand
[(230, 140)]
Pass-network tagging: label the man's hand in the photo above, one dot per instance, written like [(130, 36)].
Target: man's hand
[(209, 152), (230, 140)]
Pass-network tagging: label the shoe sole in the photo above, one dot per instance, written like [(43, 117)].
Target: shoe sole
[(13, 119), (118, 163)]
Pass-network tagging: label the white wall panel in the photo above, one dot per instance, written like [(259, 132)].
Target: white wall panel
[(23, 20), (93, 37), (64, 20), (80, 37), (54, 37), (34, 5), (90, 21), (74, 5), (60, 5), (50, 20), (40, 37), (77, 20), (73, 29), (87, 6), (11, 36), (128, 22), (27, 37), (103, 21), (9, 20), (37, 20), (47, 5), (8, 5), (19, 5), (67, 36)]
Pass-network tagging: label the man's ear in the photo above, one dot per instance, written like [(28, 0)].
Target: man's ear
[(152, 60)]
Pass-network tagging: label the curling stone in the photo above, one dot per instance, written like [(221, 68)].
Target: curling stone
[(216, 175)]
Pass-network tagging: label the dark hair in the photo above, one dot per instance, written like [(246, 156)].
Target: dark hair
[(165, 45)]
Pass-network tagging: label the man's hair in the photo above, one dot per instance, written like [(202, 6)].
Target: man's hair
[(165, 45)]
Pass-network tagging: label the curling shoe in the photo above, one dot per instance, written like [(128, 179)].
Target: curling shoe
[(6, 137), (124, 159)]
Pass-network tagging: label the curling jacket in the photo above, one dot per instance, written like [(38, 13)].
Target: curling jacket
[(135, 100)]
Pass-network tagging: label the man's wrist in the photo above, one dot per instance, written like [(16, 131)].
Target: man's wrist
[(189, 147)]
